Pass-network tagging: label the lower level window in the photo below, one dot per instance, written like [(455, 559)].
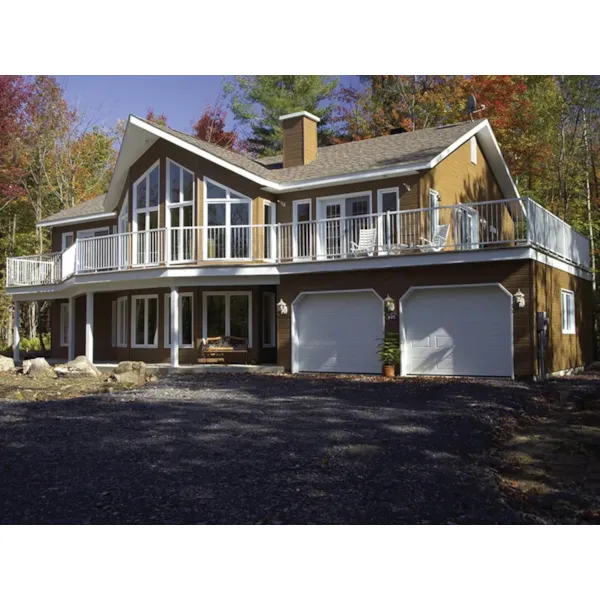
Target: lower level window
[(268, 320), (64, 324), (186, 320), (568, 311), (228, 314), (144, 322), (121, 322)]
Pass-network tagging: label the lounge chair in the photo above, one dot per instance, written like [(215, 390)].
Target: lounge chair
[(438, 240), (367, 242)]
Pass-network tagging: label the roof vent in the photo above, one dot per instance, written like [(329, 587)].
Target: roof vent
[(397, 130)]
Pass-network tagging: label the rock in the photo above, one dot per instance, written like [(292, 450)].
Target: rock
[(151, 378), (130, 371), (78, 367), (6, 363), (38, 368)]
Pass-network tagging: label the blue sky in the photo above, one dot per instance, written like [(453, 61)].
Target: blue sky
[(181, 98)]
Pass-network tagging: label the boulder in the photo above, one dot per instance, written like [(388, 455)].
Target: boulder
[(78, 367), (38, 368), (130, 371), (6, 363)]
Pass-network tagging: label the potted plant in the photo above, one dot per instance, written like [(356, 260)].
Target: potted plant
[(389, 353)]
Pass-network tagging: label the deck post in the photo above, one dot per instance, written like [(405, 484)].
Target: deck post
[(16, 336), (89, 326), (71, 352), (174, 327)]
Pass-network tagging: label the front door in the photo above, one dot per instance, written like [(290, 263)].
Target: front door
[(467, 227)]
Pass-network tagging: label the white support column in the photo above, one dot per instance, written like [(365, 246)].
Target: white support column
[(16, 335), (174, 327), (89, 326), (71, 354)]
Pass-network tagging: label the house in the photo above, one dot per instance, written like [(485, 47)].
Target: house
[(297, 259)]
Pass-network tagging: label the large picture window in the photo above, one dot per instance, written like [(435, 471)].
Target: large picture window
[(146, 192), (186, 320), (228, 219), (180, 212), (227, 314), (144, 322), (121, 322)]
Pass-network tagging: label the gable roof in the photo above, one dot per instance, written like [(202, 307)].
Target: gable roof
[(399, 154), (90, 210)]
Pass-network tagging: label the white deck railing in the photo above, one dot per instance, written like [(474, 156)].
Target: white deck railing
[(472, 227)]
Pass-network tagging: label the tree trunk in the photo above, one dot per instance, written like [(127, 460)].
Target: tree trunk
[(589, 198)]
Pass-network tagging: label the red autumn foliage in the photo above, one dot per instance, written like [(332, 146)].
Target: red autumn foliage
[(210, 127)]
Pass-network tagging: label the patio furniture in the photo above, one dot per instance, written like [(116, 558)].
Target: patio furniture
[(438, 240), (367, 242), (224, 350)]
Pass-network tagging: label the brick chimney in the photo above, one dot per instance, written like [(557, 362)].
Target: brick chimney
[(299, 138)]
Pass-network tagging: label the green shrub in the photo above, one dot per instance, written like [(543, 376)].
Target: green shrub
[(389, 349)]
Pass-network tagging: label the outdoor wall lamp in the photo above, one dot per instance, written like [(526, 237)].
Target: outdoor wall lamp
[(282, 308), (389, 305), (519, 299)]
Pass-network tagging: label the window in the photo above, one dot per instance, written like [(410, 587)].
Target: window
[(227, 314), (145, 216), (228, 220), (568, 311), (186, 320), (144, 322), (113, 331), (389, 201), (269, 232), (434, 203), (92, 233), (123, 222), (121, 322), (64, 324), (180, 212), (268, 320), (68, 239), (474, 150), (302, 235)]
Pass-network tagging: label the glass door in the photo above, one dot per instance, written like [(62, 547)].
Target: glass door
[(333, 229), (355, 222), (467, 227)]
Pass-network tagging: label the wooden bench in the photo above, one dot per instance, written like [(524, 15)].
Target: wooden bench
[(226, 350)]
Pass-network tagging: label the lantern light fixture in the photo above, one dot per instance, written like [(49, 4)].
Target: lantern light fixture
[(282, 307), (519, 298), (389, 304)]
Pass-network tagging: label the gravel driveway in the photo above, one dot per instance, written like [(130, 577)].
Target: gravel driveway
[(260, 449)]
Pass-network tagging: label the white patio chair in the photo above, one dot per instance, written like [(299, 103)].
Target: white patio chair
[(367, 242), (438, 241)]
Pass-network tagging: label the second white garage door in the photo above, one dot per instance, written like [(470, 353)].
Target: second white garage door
[(337, 332), (458, 331)]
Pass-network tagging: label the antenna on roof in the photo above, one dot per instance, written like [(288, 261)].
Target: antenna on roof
[(472, 106)]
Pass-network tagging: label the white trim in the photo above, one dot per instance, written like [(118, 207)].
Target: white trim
[(434, 202), (180, 205), (227, 312), (144, 297), (473, 148), (295, 223), (167, 321), (198, 151), (64, 314), (313, 293), (385, 220), (390, 190), (273, 342), (71, 351), (302, 113), (89, 233), (73, 220), (564, 293), (64, 246), (417, 288), (89, 325)]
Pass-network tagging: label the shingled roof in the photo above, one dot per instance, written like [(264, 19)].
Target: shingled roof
[(90, 208)]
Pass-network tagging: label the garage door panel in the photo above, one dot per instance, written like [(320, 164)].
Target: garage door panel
[(338, 332), (458, 331)]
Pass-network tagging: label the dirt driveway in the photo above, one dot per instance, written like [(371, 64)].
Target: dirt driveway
[(263, 449)]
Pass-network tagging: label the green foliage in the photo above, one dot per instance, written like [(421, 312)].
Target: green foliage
[(257, 102), (389, 349)]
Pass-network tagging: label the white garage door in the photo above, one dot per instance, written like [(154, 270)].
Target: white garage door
[(337, 332), (458, 331)]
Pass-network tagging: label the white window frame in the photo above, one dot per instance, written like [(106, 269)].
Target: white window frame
[(63, 243), (144, 297), (567, 320), (122, 322), (123, 222), (295, 221), (270, 231), (473, 146), (270, 296), (227, 312), (64, 327), (146, 211), (167, 328), (228, 201), (382, 242), (180, 204), (83, 234), (113, 329), (434, 202)]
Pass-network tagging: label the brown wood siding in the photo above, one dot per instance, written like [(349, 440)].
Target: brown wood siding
[(513, 275), (58, 231), (565, 351), (293, 142), (310, 149)]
